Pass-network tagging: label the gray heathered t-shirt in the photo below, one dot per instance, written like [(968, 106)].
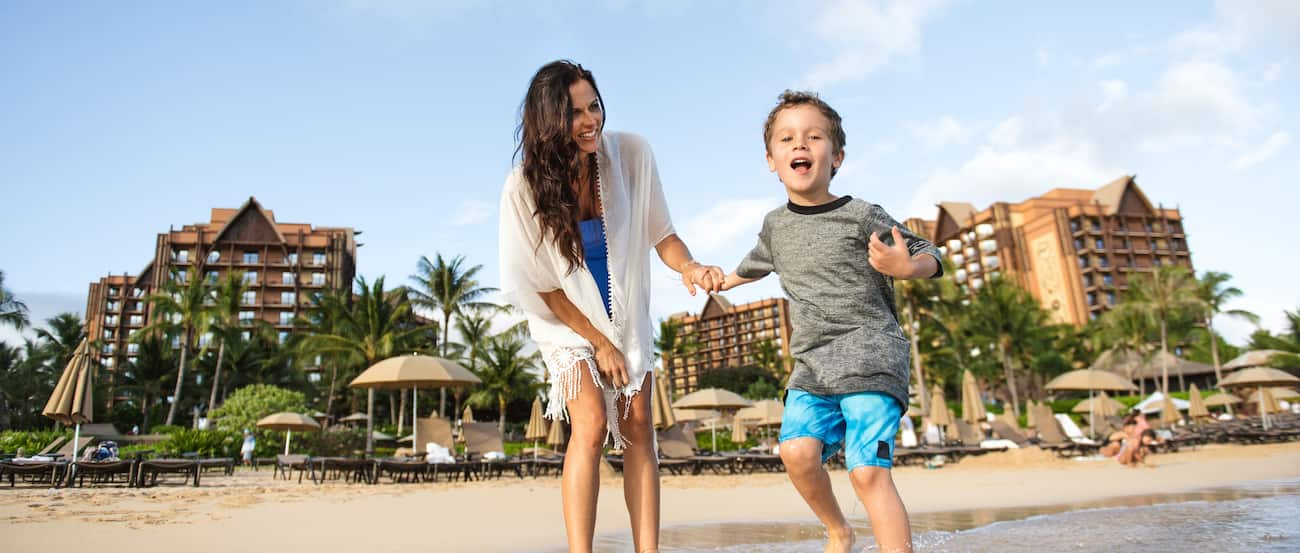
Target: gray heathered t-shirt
[(846, 337)]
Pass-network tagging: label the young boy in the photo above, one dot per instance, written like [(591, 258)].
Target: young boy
[(836, 257)]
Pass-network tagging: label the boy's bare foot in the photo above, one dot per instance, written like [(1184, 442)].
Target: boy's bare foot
[(839, 540)]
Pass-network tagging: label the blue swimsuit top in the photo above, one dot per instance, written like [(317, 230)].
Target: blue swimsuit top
[(597, 257)]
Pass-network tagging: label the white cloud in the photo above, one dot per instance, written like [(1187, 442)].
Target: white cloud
[(1272, 72), (1266, 151), (1195, 103), (939, 133), (1043, 56), (866, 35), (472, 212), (1266, 19), (1113, 92), (727, 224)]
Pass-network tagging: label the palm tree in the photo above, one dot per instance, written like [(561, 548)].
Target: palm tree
[(1008, 320), (228, 298), (182, 308), (1211, 288), (323, 318), (12, 311), (475, 328), (1168, 291), (25, 383), (446, 287), (913, 295), (376, 327), (672, 342), (61, 339), (149, 373), (1128, 331), (504, 374)]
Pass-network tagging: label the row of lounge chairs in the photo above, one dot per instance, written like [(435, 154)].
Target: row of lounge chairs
[(59, 465)]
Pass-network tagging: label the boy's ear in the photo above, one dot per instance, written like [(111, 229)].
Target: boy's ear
[(771, 163), (839, 159)]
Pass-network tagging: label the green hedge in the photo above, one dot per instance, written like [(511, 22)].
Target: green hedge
[(30, 441)]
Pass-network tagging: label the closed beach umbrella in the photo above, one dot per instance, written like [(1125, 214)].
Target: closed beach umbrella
[(72, 402), (1196, 408), (288, 422), (410, 371), (536, 425), (972, 405), (1031, 417), (1263, 398), (555, 438), (1222, 399), (467, 416), (738, 434), (1169, 412), (939, 413), (662, 407), (1010, 418), (713, 399)]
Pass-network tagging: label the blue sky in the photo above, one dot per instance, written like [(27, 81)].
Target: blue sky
[(118, 120)]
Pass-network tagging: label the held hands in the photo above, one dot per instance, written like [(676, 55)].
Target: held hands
[(708, 277), (611, 364), (895, 261)]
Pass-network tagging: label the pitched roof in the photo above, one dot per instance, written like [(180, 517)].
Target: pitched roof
[(250, 209), (1117, 193), (716, 305)]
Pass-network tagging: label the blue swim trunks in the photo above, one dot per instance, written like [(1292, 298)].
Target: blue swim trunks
[(864, 423)]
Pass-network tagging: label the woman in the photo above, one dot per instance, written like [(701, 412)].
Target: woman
[(578, 218)]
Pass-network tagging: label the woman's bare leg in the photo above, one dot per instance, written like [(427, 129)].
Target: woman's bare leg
[(580, 484), (641, 472)]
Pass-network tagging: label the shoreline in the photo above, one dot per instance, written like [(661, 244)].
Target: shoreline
[(250, 512)]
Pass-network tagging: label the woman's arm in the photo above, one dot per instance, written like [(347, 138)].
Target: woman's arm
[(674, 253), (609, 360)]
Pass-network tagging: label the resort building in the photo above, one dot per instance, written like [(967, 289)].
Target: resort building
[(1073, 249), (727, 336), (283, 265)]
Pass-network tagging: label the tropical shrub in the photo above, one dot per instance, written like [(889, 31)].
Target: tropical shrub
[(30, 441), (249, 404)]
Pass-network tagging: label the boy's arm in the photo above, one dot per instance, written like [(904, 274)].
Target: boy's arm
[(898, 261), (733, 280)]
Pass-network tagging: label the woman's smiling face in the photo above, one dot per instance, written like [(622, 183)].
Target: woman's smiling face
[(588, 116), (801, 152)]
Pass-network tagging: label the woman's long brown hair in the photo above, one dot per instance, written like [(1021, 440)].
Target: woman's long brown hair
[(549, 157)]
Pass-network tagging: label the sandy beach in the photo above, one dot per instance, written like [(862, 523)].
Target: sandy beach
[(251, 512)]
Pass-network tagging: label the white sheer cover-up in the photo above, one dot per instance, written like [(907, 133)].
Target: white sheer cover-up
[(636, 219)]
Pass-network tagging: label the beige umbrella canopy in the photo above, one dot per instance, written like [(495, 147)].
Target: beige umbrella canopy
[(939, 413), (714, 399), (355, 417), (1221, 400), (288, 422), (1169, 412), (972, 406), (662, 408), (467, 416), (1196, 408), (72, 401), (1102, 406), (1091, 379), (1255, 358), (1031, 418), (1010, 418), (1259, 376), (410, 371), (767, 412), (536, 422), (1280, 392), (555, 438)]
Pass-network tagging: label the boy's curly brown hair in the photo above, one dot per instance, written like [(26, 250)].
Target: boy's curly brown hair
[(793, 98)]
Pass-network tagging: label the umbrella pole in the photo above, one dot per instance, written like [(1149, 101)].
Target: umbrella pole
[(370, 422), (1092, 419), (415, 432), (287, 434), (72, 466), (715, 435)]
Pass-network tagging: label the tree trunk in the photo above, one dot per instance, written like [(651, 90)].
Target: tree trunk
[(442, 392), (216, 378), (144, 414), (501, 425), (916, 359), (401, 410), (1011, 378), (180, 377), (334, 377), (1214, 351), (1164, 359)]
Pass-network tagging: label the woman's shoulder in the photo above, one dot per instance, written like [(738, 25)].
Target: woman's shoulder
[(626, 144)]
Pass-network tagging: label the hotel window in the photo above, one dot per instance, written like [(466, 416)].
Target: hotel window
[(137, 292), (111, 306), (212, 277), (318, 279), (288, 298), (984, 230), (1128, 262), (249, 298), (292, 259), (246, 316), (954, 244), (137, 320), (214, 256), (1108, 279), (976, 282), (1110, 298), (288, 277), (112, 291), (250, 257), (108, 363), (250, 277), (283, 336), (1103, 262), (1083, 262), (1078, 244), (133, 349), (1094, 223), (176, 342), (318, 258), (137, 306), (181, 256), (1155, 262), (181, 276), (1087, 280), (1092, 298), (110, 320), (108, 334), (1125, 244), (205, 339), (286, 318), (246, 335), (1074, 225), (109, 348), (1101, 244)]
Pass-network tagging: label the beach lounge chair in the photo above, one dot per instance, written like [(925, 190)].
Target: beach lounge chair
[(1052, 438), (103, 472), (147, 472), (1004, 431), (349, 469), (482, 438), (971, 439), (40, 473), (286, 464), (678, 449)]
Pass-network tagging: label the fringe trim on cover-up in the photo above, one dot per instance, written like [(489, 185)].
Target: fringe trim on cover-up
[(566, 372)]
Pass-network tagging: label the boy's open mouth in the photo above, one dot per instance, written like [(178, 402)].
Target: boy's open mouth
[(801, 165)]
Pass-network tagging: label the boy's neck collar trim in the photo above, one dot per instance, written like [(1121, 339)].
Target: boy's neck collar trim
[(815, 209)]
